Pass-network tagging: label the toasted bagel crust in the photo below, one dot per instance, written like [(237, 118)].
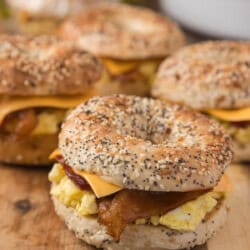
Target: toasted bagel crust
[(145, 144), (45, 65), (140, 236), (123, 32), (207, 75)]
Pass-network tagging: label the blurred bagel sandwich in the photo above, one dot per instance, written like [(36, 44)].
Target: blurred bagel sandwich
[(214, 78), (41, 78), (131, 41), (135, 172)]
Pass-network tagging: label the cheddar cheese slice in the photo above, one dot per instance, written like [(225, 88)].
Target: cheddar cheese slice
[(54, 154), (100, 187), (119, 67), (12, 104), (235, 115)]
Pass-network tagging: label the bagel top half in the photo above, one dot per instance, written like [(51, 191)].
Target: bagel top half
[(145, 144), (123, 32), (45, 66), (209, 75)]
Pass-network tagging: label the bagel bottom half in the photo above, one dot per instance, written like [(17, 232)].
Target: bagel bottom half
[(137, 237), (31, 150)]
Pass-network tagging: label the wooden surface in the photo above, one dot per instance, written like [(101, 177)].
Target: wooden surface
[(28, 220)]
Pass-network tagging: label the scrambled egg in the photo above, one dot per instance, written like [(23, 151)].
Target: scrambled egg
[(148, 69), (49, 122), (69, 194), (184, 218), (188, 216), (241, 134)]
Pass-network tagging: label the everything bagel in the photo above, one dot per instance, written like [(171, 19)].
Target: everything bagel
[(207, 75), (144, 144), (123, 32), (212, 77), (131, 41), (40, 79), (132, 172), (45, 65)]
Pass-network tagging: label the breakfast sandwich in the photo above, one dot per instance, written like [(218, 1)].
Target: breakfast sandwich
[(43, 16), (213, 78), (136, 173), (41, 78), (131, 41)]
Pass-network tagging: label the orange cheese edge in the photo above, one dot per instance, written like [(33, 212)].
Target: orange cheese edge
[(102, 188), (115, 67), (54, 154), (224, 185), (11, 104), (235, 115)]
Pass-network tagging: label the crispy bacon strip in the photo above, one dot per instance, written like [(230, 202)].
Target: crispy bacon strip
[(243, 124), (128, 205), (26, 122), (77, 179)]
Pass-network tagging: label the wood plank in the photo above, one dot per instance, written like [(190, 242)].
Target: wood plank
[(236, 233), (28, 220)]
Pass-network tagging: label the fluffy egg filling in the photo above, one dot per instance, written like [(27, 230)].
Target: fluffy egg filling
[(183, 218)]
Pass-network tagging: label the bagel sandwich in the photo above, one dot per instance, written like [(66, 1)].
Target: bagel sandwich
[(43, 16), (41, 79), (136, 173), (131, 41), (214, 78)]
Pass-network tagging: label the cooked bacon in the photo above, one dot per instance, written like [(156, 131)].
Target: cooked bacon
[(243, 124), (77, 179), (128, 205), (25, 121)]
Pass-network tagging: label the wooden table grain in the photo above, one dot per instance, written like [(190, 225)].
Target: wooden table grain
[(28, 220)]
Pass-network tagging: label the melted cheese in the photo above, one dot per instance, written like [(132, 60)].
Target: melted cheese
[(236, 115), (100, 187), (116, 67), (119, 67), (224, 185), (12, 104), (54, 154)]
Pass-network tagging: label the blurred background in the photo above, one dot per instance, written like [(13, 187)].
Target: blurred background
[(225, 19)]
